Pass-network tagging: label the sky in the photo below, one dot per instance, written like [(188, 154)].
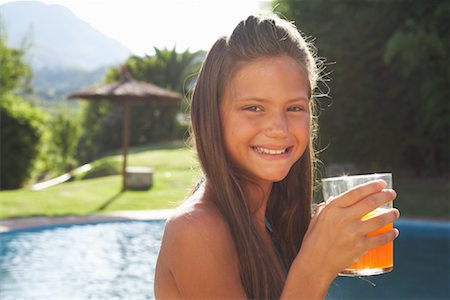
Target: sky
[(141, 25)]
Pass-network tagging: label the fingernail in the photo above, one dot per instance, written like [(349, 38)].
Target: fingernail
[(391, 191), (394, 192), (382, 181)]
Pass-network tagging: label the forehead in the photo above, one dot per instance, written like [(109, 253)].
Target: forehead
[(268, 77)]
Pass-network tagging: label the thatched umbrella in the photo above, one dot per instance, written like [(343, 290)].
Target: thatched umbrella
[(125, 92)]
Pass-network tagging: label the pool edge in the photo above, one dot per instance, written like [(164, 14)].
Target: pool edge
[(9, 225), (129, 215)]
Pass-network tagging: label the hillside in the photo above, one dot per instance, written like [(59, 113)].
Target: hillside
[(58, 38), (55, 83)]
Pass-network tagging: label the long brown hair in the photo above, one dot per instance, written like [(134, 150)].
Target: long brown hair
[(289, 205)]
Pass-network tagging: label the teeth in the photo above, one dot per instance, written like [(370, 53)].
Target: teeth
[(270, 151)]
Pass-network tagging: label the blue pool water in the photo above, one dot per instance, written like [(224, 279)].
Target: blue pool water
[(117, 260), (96, 261)]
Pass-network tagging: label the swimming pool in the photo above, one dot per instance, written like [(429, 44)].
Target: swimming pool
[(116, 260), (96, 261)]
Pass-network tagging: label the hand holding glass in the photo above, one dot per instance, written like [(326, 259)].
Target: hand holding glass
[(381, 259)]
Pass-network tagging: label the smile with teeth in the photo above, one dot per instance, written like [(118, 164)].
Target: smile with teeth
[(270, 151)]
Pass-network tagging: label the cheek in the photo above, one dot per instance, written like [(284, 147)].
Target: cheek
[(236, 139), (239, 136), (302, 127)]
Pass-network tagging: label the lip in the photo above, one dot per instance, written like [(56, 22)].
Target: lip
[(267, 156)]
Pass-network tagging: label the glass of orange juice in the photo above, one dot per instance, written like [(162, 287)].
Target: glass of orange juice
[(381, 259)]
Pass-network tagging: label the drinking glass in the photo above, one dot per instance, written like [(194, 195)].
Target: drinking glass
[(378, 260)]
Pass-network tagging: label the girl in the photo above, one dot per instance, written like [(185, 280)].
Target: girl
[(247, 231)]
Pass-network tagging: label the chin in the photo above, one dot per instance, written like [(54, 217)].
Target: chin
[(278, 179), (277, 176)]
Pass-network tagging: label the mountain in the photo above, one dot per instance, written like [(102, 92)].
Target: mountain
[(55, 83), (59, 39)]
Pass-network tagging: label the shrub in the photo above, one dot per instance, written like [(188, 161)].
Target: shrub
[(21, 128), (58, 145)]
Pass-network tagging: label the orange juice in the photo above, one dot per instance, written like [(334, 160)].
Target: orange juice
[(376, 261)]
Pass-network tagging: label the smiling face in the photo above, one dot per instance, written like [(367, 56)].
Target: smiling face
[(265, 117)]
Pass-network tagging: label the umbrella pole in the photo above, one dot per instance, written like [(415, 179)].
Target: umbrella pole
[(126, 108)]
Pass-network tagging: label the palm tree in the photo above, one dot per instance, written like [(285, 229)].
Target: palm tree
[(167, 68)]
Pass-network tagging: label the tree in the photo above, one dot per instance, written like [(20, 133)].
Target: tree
[(21, 128), (65, 134), (386, 109), (167, 68), (20, 122), (15, 73), (418, 50)]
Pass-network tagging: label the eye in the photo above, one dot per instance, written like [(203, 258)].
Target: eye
[(296, 108), (253, 108)]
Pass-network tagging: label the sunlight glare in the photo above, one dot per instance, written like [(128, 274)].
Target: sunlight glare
[(142, 25)]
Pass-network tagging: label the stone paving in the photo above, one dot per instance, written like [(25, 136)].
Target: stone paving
[(141, 215)]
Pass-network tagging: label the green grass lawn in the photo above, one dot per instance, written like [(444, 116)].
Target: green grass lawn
[(175, 173)]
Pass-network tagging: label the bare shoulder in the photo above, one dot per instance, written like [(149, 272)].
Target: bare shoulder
[(198, 255), (199, 221), (197, 231)]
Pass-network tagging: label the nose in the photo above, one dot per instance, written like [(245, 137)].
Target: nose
[(278, 126)]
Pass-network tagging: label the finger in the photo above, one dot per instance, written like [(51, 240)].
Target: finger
[(382, 238), (372, 202), (378, 223), (359, 192)]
